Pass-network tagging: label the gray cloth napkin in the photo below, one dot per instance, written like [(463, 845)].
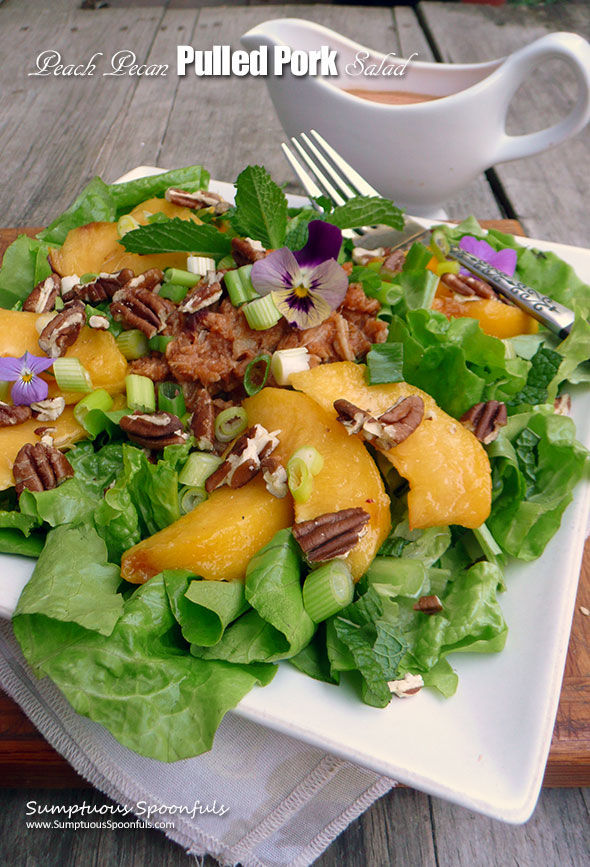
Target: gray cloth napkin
[(272, 800)]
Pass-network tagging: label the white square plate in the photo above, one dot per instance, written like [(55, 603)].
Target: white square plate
[(486, 747)]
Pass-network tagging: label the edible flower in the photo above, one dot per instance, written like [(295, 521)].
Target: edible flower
[(307, 285), (503, 260), (28, 386)]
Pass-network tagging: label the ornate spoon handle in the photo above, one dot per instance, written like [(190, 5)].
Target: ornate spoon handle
[(553, 315)]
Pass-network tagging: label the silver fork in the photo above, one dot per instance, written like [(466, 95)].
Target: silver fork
[(336, 179)]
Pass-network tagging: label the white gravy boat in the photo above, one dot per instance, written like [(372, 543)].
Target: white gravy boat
[(419, 154)]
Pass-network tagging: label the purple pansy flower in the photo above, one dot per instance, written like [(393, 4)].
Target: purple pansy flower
[(503, 260), (307, 285), (28, 386)]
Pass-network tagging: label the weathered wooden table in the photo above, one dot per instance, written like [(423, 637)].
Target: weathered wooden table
[(56, 133)]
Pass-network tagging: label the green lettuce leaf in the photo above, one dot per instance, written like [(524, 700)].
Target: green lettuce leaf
[(140, 682), (23, 266), (131, 193), (95, 203), (544, 366), (73, 582), (261, 207), (13, 542), (204, 608), (385, 362)]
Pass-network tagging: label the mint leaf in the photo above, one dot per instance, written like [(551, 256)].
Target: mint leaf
[(544, 365), (261, 207), (178, 236), (385, 363), (370, 279), (297, 233), (366, 211)]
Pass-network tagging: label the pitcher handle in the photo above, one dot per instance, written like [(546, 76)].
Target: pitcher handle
[(575, 50)]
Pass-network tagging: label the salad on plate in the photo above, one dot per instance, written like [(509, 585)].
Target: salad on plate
[(232, 439)]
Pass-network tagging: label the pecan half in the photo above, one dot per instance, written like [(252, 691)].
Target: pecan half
[(465, 284), (49, 409), (200, 297), (244, 459), (390, 429), (197, 200), (63, 330), (100, 289), (139, 307), (331, 535), (246, 252), (43, 297), (40, 467), (150, 279), (408, 686), (153, 430), (203, 422), (428, 605), (10, 415), (485, 419)]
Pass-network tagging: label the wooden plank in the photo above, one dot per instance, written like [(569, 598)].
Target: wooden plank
[(477, 198), (547, 190)]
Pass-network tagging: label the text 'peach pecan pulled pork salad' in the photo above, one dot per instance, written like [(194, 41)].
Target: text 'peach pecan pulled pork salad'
[(230, 439)]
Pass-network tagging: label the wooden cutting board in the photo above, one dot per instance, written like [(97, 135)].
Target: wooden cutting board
[(27, 760)]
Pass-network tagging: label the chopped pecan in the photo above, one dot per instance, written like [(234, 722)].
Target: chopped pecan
[(43, 297), (139, 307), (563, 404), (40, 467), (428, 605), (360, 256), (391, 428), (101, 289), (331, 535), (150, 279), (244, 459), (48, 410), (409, 685), (203, 422), (197, 200), (99, 323), (485, 419), (10, 415), (63, 330), (200, 297), (153, 430), (246, 251), (465, 284), (394, 261), (275, 477)]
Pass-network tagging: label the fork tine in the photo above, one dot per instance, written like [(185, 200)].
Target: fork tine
[(347, 190), (329, 190), (309, 185), (352, 176)]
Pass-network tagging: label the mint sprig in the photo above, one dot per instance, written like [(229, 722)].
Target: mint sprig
[(261, 207), (176, 236), (366, 211)]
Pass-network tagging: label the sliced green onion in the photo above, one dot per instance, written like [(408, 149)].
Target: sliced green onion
[(327, 590), (133, 344), (299, 479), (191, 497), (59, 304), (198, 468), (159, 342), (173, 291), (171, 398), (439, 244), (99, 399), (200, 265), (256, 374), (125, 224), (230, 423), (239, 285), (447, 268), (287, 361), (5, 388), (312, 458), (141, 394), (261, 313), (70, 375), (226, 262), (88, 278), (375, 264), (181, 278), (159, 217)]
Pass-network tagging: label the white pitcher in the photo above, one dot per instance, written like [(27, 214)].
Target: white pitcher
[(419, 154)]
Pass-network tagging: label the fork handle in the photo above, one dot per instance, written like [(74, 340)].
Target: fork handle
[(550, 313)]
